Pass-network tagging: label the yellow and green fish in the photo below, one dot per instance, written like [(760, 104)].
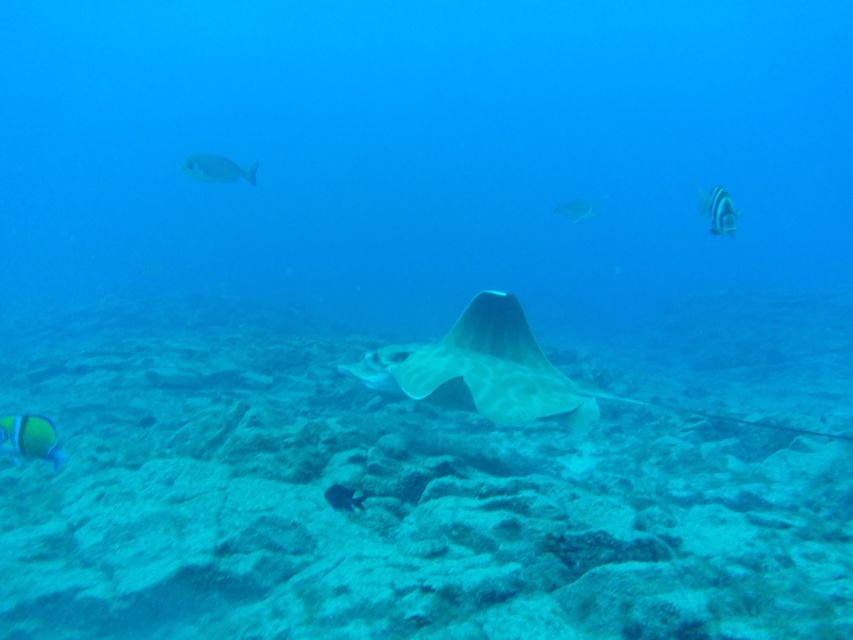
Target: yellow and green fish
[(31, 436)]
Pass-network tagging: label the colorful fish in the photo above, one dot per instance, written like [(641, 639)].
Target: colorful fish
[(31, 436)]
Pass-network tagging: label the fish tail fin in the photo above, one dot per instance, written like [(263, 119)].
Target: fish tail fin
[(59, 460), (359, 502), (249, 174)]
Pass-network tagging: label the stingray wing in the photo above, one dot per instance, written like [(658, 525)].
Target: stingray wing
[(489, 363), (492, 350), (504, 391)]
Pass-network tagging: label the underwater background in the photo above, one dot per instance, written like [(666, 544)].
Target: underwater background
[(186, 335), (416, 153)]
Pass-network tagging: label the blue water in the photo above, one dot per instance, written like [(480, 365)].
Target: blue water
[(412, 155)]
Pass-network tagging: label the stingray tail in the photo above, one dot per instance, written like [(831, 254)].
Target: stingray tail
[(600, 395)]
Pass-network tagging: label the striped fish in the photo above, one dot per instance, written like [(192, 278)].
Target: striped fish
[(719, 207)]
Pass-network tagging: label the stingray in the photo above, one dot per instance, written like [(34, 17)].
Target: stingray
[(489, 363)]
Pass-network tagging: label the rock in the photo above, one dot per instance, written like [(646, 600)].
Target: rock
[(713, 530), (635, 600), (394, 446), (584, 551), (591, 511), (529, 616), (174, 379)]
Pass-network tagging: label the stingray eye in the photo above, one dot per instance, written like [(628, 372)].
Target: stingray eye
[(400, 356), (190, 164)]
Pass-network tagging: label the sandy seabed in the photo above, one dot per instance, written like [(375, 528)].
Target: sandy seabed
[(200, 449)]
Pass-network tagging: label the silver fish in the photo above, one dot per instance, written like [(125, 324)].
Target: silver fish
[(576, 210), (209, 167)]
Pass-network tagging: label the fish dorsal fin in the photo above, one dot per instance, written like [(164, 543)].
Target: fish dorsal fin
[(494, 324)]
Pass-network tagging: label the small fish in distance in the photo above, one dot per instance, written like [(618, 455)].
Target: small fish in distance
[(576, 210), (342, 498), (209, 167), (719, 208)]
